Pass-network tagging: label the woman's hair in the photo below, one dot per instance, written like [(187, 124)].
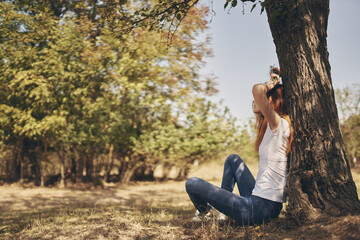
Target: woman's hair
[(278, 104)]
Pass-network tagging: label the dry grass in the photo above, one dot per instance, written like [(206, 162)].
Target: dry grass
[(141, 211)]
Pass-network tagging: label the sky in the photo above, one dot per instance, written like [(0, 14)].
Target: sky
[(243, 51)]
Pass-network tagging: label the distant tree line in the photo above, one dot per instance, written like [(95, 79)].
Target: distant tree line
[(83, 99)]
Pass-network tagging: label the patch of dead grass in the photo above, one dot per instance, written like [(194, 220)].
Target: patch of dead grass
[(141, 211)]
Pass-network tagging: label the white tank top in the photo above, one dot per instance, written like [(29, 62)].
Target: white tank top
[(271, 178)]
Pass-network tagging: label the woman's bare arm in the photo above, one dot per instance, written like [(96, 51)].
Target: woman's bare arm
[(259, 92)]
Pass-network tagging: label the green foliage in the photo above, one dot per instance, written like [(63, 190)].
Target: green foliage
[(348, 102), (74, 83), (204, 132)]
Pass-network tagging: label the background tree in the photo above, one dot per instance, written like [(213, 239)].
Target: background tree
[(85, 98), (348, 102)]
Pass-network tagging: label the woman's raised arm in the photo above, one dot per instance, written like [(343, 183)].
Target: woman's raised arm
[(264, 104)]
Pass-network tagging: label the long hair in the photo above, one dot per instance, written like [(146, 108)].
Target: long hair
[(278, 104)]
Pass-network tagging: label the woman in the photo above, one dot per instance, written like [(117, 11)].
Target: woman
[(262, 199)]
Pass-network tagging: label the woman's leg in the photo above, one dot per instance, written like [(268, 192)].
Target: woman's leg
[(203, 193), (235, 170), (265, 209)]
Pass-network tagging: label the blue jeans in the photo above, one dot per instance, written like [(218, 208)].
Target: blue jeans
[(245, 209)]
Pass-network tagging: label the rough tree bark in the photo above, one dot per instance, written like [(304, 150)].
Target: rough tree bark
[(319, 180)]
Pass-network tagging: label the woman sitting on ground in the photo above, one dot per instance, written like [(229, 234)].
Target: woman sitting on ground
[(262, 199)]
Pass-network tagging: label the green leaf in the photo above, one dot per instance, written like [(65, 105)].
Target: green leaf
[(263, 5), (234, 3), (226, 4), (262, 10), (253, 7)]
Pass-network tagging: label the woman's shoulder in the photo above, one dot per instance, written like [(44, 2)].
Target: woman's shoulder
[(285, 124), (285, 120)]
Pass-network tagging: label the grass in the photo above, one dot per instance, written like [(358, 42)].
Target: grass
[(149, 222), (141, 211), (112, 222), (154, 222)]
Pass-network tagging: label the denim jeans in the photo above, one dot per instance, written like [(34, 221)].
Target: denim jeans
[(245, 209)]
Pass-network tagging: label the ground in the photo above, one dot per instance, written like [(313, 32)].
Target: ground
[(142, 211)]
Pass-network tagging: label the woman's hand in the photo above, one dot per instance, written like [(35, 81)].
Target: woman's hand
[(274, 80)]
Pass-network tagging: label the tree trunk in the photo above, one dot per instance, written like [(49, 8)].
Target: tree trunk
[(110, 160), (44, 161), (62, 173), (30, 149), (319, 179), (73, 169), (21, 164), (81, 166), (61, 154), (129, 172), (89, 163), (16, 166)]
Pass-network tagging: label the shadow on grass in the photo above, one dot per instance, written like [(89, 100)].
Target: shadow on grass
[(145, 213), (105, 221), (113, 221), (146, 206)]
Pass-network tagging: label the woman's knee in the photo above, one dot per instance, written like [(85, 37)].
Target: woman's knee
[(190, 183), (233, 158)]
